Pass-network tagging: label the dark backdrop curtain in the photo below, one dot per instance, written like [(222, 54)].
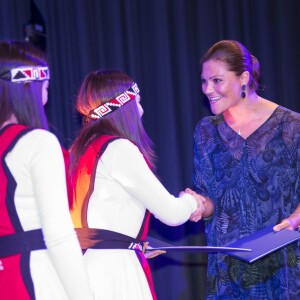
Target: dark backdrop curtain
[(159, 43)]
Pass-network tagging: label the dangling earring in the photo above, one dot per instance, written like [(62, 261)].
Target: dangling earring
[(243, 93)]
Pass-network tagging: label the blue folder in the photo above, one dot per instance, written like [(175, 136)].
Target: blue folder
[(155, 244), (262, 243)]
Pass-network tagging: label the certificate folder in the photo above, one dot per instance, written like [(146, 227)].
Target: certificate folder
[(262, 243), (155, 244), (199, 249)]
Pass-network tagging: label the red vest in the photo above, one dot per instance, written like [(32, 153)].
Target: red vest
[(15, 279), (84, 186)]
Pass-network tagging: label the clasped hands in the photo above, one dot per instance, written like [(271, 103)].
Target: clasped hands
[(204, 209)]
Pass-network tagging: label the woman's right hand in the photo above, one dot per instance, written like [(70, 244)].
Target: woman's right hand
[(205, 206), (197, 214)]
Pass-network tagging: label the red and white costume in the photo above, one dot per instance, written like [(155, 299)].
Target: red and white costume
[(33, 199), (121, 191)]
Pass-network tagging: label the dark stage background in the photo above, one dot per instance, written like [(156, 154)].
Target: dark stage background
[(159, 43)]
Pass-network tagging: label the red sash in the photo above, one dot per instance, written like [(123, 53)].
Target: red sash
[(15, 279), (84, 186), (69, 187)]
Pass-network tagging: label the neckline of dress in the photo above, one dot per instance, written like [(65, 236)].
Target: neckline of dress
[(258, 128)]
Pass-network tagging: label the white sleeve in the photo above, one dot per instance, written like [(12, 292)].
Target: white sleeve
[(48, 176), (132, 172)]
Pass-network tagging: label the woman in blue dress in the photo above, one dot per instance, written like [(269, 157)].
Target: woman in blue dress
[(247, 161)]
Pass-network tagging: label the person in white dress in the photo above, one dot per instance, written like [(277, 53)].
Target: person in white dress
[(115, 188), (40, 254)]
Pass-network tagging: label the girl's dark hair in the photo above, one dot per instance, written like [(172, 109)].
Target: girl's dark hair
[(97, 88), (237, 58), (23, 99)]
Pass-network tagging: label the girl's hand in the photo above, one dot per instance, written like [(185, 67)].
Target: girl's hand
[(151, 254), (1, 266)]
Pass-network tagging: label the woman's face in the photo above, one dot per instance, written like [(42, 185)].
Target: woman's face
[(139, 105), (222, 87), (45, 92)]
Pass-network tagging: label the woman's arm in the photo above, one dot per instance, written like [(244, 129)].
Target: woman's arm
[(130, 169)]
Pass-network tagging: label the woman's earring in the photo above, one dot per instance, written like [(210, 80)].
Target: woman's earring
[(243, 93)]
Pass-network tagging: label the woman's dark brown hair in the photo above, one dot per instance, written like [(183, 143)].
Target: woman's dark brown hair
[(22, 99), (237, 58)]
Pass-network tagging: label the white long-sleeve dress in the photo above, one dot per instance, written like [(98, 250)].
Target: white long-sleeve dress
[(33, 196), (124, 189)]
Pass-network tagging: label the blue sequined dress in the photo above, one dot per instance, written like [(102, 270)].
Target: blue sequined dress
[(254, 183)]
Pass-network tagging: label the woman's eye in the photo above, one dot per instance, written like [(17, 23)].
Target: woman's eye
[(217, 80)]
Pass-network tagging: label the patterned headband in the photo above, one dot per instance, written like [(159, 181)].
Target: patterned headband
[(114, 103), (21, 74)]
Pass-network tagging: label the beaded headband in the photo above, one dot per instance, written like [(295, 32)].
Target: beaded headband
[(114, 104), (21, 74)]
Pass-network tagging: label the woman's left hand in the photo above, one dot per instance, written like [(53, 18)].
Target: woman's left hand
[(290, 223)]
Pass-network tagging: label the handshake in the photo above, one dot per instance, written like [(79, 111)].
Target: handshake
[(205, 206)]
